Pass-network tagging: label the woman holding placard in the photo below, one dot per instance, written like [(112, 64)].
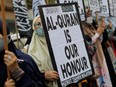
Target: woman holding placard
[(39, 51)]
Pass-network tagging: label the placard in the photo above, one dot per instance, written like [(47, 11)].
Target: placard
[(86, 3), (104, 8), (81, 7), (94, 5), (65, 41), (112, 6)]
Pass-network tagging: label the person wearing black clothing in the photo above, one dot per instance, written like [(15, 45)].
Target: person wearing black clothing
[(105, 45), (22, 68)]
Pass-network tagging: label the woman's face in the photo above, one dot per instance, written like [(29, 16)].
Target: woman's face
[(38, 27), (37, 23)]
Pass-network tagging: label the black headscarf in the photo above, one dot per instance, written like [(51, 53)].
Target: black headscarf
[(11, 46), (32, 74)]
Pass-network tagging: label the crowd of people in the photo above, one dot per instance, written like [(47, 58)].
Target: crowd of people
[(35, 69)]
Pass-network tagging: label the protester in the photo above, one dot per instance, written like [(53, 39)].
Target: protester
[(108, 51), (39, 51), (95, 29), (23, 70)]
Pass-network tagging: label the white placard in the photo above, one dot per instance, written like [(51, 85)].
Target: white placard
[(86, 3), (94, 5), (81, 7), (65, 42), (112, 6), (104, 8)]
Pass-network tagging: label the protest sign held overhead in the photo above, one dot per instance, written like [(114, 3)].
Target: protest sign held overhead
[(22, 20), (104, 8), (65, 41), (94, 6), (112, 7), (80, 6)]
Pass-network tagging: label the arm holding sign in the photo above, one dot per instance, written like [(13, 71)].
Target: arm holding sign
[(51, 75), (90, 21), (10, 83), (23, 69), (100, 28)]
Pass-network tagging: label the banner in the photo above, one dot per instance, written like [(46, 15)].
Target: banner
[(35, 5), (21, 16), (65, 42), (81, 7)]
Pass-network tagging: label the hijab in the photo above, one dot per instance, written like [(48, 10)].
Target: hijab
[(39, 51)]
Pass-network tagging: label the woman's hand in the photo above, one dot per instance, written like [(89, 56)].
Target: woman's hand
[(10, 83), (10, 60), (51, 75), (103, 24), (100, 30)]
